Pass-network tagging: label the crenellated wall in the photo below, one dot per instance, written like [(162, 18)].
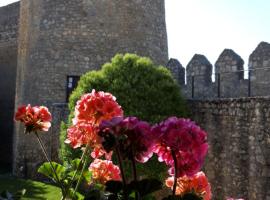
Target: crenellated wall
[(61, 38), (229, 75)]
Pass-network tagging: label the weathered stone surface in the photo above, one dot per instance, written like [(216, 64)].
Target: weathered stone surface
[(259, 64), (238, 133), (199, 71), (177, 70), (229, 70), (58, 38), (9, 16)]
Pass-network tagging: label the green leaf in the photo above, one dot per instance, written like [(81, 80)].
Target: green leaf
[(149, 197), (191, 196), (145, 186), (19, 194), (87, 175), (75, 163), (47, 170), (93, 194), (6, 195), (77, 195), (114, 186), (177, 197)]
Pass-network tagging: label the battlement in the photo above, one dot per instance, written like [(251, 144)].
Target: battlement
[(229, 75)]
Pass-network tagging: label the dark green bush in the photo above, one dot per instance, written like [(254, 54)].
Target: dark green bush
[(141, 88)]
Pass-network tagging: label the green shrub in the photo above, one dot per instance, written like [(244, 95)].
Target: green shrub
[(141, 88)]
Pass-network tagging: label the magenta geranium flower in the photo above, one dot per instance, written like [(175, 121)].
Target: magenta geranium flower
[(131, 136), (183, 138)]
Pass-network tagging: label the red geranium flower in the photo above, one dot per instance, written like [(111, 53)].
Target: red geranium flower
[(37, 118), (186, 140), (95, 107), (197, 183), (104, 170)]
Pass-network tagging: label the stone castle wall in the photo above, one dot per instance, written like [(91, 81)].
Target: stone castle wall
[(9, 16), (238, 162), (60, 38), (229, 75)]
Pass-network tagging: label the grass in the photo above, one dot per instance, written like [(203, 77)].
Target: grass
[(34, 189)]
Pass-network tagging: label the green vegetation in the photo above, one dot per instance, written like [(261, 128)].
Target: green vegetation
[(34, 190), (141, 88)]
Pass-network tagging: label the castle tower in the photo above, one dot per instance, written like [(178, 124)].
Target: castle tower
[(8, 65), (259, 65), (229, 71), (60, 39), (199, 72)]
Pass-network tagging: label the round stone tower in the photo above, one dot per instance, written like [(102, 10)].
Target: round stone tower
[(59, 39)]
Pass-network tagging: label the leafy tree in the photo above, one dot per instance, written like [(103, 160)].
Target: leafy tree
[(141, 88)]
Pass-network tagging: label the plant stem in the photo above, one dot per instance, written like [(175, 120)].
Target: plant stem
[(47, 158), (175, 172), (77, 168), (134, 169), (122, 171), (134, 175), (84, 161)]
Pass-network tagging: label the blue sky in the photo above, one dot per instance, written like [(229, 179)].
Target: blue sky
[(209, 26)]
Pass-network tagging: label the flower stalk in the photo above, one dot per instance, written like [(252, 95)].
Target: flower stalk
[(175, 172), (84, 161), (134, 175), (122, 171), (47, 158)]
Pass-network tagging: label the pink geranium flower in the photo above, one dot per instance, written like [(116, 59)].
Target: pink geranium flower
[(95, 107), (198, 183), (37, 118), (104, 170), (90, 111), (132, 136), (183, 138), (83, 134)]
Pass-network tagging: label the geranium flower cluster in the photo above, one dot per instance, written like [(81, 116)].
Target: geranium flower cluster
[(37, 118), (95, 107), (90, 110), (99, 123), (99, 128), (132, 137), (104, 170), (197, 183), (185, 140)]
